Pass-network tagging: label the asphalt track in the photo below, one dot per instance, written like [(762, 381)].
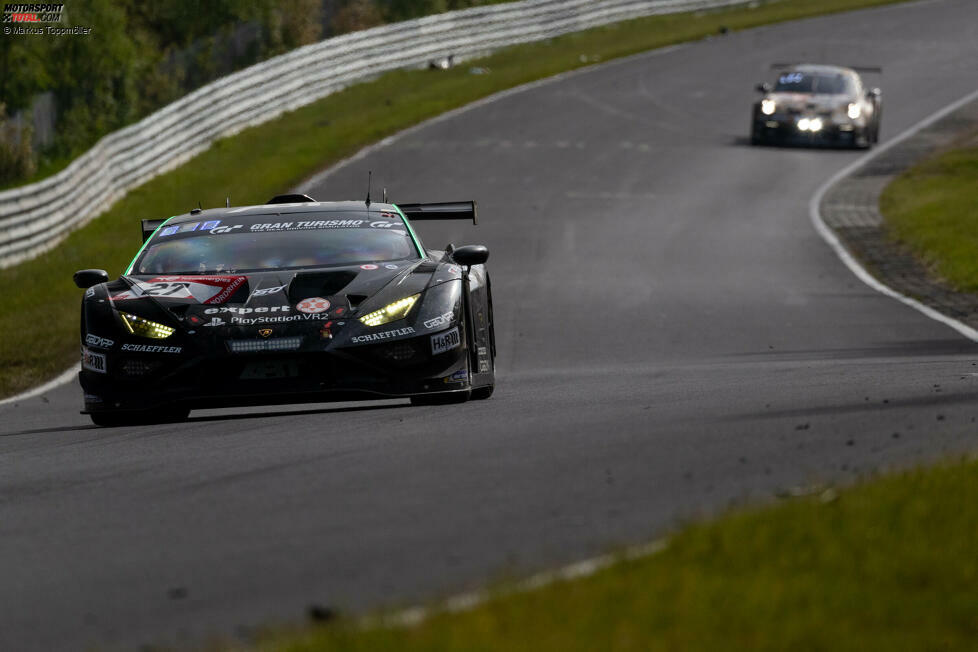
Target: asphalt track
[(674, 337)]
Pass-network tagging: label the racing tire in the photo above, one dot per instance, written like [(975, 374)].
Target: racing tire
[(482, 393), (138, 418), (755, 137)]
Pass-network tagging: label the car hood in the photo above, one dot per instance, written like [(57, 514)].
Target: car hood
[(283, 302)]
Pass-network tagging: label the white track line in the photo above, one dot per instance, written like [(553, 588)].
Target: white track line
[(830, 237), (64, 378), (466, 601)]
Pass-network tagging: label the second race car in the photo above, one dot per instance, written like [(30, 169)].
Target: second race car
[(814, 104)]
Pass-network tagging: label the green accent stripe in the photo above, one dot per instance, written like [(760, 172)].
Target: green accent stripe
[(138, 253), (414, 236)]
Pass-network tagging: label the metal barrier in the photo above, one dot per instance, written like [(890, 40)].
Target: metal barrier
[(34, 218)]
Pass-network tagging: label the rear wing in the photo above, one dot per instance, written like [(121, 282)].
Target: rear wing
[(867, 69), (149, 226), (452, 210)]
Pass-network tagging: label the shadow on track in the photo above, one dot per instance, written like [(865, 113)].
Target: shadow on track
[(283, 413)]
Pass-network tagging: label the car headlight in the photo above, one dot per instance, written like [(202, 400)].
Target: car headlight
[(854, 111), (767, 107), (146, 328), (391, 312)]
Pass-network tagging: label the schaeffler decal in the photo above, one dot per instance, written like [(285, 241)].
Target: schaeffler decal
[(375, 337), (151, 348), (202, 289), (312, 305)]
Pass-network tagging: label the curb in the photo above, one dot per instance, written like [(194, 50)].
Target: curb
[(845, 212)]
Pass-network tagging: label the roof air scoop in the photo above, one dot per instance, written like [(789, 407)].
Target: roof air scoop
[(290, 199)]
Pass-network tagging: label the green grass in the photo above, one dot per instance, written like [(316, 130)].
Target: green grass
[(933, 209), (40, 316), (888, 565)]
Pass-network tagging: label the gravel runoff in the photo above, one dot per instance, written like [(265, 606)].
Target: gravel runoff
[(851, 209)]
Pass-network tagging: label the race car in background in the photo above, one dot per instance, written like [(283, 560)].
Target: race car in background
[(816, 104), (292, 301)]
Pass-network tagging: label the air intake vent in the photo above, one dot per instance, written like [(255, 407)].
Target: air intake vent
[(318, 284), (257, 345)]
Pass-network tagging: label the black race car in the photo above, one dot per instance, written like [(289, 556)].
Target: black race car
[(813, 104), (292, 301)]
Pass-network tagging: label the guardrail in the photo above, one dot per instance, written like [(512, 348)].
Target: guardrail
[(34, 218)]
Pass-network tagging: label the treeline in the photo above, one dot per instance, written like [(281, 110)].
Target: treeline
[(142, 55)]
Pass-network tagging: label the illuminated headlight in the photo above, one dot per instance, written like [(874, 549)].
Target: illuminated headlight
[(803, 124), (767, 107), (815, 124), (854, 111), (391, 312), (146, 328)]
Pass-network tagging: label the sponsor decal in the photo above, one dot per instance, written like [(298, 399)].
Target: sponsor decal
[(265, 319), (306, 225), (483, 354), (385, 335), (150, 348), (459, 376), (202, 289), (383, 225), (265, 332), (89, 293), (446, 341), (217, 230), (325, 332), (246, 311), (93, 398), (368, 266), (93, 361), (100, 342), (440, 320), (390, 266), (264, 292), (312, 305), (170, 230)]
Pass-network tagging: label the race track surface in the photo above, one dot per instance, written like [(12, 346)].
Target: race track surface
[(674, 338)]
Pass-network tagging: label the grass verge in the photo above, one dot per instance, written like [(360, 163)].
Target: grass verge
[(888, 565), (933, 209), (38, 323)]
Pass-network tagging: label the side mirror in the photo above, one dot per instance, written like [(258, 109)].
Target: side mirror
[(471, 255), (764, 88), (86, 278)]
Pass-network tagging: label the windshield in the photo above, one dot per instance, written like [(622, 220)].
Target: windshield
[(800, 82), (262, 242)]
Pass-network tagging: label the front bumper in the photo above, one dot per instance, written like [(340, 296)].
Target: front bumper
[(785, 129), (395, 369)]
